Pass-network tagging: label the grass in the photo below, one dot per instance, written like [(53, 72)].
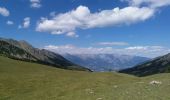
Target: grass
[(27, 81)]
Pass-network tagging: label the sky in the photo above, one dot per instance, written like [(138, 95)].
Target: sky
[(131, 27)]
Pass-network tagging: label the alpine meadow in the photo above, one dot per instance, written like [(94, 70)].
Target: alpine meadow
[(84, 50)]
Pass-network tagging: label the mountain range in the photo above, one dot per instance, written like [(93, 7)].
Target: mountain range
[(21, 50), (135, 65), (105, 62)]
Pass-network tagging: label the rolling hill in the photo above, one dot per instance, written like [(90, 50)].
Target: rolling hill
[(22, 50), (155, 66), (30, 81)]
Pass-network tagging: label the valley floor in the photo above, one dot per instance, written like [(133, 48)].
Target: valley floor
[(26, 81)]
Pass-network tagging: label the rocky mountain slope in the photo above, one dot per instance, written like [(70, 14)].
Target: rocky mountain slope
[(22, 50)]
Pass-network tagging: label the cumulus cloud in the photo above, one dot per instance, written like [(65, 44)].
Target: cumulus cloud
[(112, 43), (9, 22), (82, 18), (26, 23), (146, 51), (150, 3), (35, 3), (4, 11)]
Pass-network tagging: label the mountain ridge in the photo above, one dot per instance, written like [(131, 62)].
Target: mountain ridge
[(22, 50), (158, 65)]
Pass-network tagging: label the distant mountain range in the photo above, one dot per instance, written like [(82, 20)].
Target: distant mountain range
[(21, 50), (155, 66), (105, 62)]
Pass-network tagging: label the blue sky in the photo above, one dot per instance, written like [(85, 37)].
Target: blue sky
[(134, 27)]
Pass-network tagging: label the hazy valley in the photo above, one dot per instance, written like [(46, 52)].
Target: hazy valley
[(105, 62)]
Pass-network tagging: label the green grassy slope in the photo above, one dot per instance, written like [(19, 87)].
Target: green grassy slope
[(26, 81)]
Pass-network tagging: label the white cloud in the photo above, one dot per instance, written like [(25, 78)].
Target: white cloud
[(26, 23), (82, 18), (72, 34), (150, 3), (4, 11), (35, 3), (146, 51), (77, 50), (112, 43), (157, 48), (9, 22)]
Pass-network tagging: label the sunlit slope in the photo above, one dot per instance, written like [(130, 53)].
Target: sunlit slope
[(28, 81)]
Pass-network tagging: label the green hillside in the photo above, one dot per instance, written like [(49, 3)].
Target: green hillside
[(27, 81), (156, 66)]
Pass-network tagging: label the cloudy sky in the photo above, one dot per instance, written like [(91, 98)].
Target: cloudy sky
[(132, 27)]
